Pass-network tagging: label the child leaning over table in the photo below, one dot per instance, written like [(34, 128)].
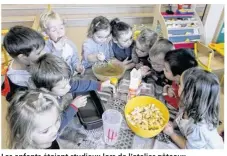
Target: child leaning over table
[(157, 53), (176, 62), (36, 120), (122, 43), (25, 46), (54, 75), (198, 117), (97, 46), (58, 44), (144, 42)]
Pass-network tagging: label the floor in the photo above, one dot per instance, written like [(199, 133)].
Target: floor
[(78, 35)]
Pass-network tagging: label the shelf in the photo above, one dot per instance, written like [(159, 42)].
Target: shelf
[(181, 22), (183, 35), (175, 15), (192, 41), (182, 28)]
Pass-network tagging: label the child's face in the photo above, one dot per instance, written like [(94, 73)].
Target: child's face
[(46, 128), (157, 62), (141, 51), (168, 73), (61, 88), (125, 40), (181, 87), (34, 55), (102, 36), (55, 29)]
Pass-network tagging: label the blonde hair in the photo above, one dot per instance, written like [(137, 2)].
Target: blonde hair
[(46, 17), (21, 113), (147, 38)]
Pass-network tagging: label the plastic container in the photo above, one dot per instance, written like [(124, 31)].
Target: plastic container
[(111, 125), (90, 116)]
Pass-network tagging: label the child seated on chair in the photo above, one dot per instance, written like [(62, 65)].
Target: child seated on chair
[(144, 42), (176, 62), (122, 44), (25, 46), (97, 46), (58, 44), (156, 59)]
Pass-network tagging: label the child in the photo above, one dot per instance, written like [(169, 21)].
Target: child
[(53, 26), (199, 98), (144, 42), (52, 73), (25, 46), (122, 42), (98, 46), (176, 62), (156, 59), (35, 119)]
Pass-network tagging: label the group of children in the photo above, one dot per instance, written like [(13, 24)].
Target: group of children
[(41, 71)]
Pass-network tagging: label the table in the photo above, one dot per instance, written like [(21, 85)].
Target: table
[(79, 138)]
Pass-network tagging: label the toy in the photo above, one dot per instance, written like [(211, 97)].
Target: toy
[(184, 9)]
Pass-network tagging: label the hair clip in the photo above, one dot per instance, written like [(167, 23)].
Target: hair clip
[(97, 23), (40, 99)]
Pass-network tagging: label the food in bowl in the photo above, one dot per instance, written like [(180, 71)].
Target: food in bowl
[(144, 101), (146, 117), (107, 70)]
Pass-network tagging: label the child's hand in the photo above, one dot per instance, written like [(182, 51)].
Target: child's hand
[(101, 56), (80, 69), (139, 65), (107, 84), (80, 101), (170, 92), (60, 44), (145, 70), (126, 61), (165, 90), (168, 130)]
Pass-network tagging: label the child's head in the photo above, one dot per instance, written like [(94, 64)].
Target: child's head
[(53, 73), (24, 44), (158, 52), (199, 95), (177, 61), (145, 41), (34, 119), (52, 24), (100, 30), (122, 33)]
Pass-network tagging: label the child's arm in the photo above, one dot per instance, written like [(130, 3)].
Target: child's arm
[(84, 86), (89, 85), (179, 140), (130, 66), (71, 111)]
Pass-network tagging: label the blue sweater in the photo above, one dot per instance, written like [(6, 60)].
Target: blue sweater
[(78, 86), (122, 54)]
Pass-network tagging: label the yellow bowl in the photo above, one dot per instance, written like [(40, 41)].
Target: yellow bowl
[(144, 101)]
